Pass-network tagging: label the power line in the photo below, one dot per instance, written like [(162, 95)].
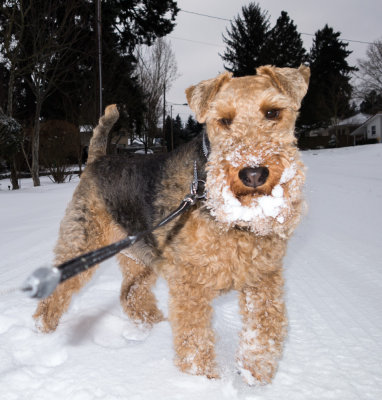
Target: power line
[(348, 40), (230, 20), (205, 15)]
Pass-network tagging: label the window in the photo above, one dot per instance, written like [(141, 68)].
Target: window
[(373, 130)]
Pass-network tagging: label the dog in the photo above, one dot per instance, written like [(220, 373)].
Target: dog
[(235, 239)]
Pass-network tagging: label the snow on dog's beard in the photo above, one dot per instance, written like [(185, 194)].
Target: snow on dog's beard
[(274, 212)]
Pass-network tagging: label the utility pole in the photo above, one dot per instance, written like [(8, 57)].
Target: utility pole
[(99, 56), (164, 109), (172, 130)]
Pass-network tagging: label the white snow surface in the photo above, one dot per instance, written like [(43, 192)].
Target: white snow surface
[(333, 272)]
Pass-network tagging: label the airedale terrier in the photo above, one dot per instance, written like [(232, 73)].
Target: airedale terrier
[(235, 239)]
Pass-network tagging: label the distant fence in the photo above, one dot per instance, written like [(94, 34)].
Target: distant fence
[(24, 175), (322, 142)]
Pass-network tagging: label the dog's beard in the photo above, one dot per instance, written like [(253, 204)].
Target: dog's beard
[(264, 214)]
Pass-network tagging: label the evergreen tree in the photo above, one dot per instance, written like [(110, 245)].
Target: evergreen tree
[(167, 132), (177, 131), (245, 40), (329, 91), (191, 124), (173, 131), (283, 46), (191, 129), (177, 134), (250, 42)]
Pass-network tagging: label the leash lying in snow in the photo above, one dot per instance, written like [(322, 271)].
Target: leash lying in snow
[(44, 280)]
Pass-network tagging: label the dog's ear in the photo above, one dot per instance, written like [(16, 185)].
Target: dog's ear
[(200, 96), (291, 81)]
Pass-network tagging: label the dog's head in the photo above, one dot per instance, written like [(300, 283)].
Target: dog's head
[(254, 172)]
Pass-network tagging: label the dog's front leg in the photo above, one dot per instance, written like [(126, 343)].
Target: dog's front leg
[(190, 317), (264, 329)]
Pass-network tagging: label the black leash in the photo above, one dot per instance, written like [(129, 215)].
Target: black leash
[(44, 280)]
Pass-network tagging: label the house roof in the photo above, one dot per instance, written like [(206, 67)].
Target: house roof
[(357, 119), (86, 128), (361, 129)]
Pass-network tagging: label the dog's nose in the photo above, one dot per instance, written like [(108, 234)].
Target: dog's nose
[(254, 177)]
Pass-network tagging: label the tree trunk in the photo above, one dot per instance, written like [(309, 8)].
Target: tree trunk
[(14, 180), (36, 144), (13, 165), (80, 151), (11, 84)]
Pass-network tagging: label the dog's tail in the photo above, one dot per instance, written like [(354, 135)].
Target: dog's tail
[(98, 142)]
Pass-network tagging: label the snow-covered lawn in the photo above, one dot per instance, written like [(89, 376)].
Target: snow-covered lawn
[(333, 276)]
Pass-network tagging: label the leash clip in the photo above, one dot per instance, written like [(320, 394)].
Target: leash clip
[(195, 185)]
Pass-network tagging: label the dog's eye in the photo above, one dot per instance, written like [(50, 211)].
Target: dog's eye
[(272, 114), (225, 122)]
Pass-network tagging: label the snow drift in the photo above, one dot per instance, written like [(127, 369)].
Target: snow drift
[(333, 295)]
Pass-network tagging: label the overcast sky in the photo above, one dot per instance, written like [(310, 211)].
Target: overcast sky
[(355, 19)]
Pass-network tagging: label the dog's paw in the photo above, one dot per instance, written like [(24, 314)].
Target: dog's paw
[(141, 307), (258, 372), (46, 317), (194, 365), (146, 319)]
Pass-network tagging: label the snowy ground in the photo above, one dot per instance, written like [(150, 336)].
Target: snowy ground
[(333, 292)]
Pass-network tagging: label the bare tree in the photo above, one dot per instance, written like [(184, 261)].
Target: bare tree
[(51, 33), (370, 69), (35, 39), (13, 16), (12, 32), (156, 70)]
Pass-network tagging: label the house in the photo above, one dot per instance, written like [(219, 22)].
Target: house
[(86, 132), (121, 143), (339, 134), (370, 131)]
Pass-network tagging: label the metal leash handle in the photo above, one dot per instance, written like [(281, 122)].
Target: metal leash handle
[(44, 280)]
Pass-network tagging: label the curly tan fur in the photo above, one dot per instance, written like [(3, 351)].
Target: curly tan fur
[(98, 142), (234, 240)]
